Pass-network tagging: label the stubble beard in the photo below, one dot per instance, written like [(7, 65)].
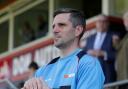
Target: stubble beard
[(60, 45), (63, 44)]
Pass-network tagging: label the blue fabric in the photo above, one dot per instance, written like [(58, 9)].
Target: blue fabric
[(67, 71)]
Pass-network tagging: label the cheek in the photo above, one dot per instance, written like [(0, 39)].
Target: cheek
[(70, 34)]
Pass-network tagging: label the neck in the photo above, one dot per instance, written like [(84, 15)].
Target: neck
[(69, 49)]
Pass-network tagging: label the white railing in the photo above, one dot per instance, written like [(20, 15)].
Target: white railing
[(115, 84)]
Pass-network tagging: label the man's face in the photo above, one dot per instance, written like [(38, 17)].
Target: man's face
[(63, 30), (101, 24), (126, 22)]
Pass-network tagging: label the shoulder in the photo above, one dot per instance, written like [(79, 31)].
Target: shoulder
[(110, 33), (88, 60), (89, 65), (54, 60), (39, 72), (46, 68)]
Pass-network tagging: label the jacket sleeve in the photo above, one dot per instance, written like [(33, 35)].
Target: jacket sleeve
[(111, 54)]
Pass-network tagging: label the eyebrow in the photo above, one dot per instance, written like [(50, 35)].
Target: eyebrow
[(60, 24)]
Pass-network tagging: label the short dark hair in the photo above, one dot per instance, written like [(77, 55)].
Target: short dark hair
[(33, 65), (76, 17)]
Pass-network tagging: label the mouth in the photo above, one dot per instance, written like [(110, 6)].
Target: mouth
[(57, 36), (56, 39)]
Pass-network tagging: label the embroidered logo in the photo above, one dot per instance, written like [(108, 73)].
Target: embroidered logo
[(69, 75)]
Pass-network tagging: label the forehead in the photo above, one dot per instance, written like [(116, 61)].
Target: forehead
[(102, 18), (64, 17)]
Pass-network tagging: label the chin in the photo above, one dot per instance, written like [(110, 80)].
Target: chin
[(58, 46)]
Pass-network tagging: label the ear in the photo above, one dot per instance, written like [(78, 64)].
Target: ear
[(79, 29)]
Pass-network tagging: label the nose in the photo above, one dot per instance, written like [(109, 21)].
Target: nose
[(56, 29)]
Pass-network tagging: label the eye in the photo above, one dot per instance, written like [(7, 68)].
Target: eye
[(61, 24), (53, 26)]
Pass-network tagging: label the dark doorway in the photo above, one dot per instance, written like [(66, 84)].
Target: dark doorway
[(92, 7)]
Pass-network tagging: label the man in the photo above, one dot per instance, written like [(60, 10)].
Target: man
[(71, 71), (100, 45), (122, 56)]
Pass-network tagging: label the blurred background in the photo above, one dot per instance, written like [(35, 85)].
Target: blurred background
[(25, 32)]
